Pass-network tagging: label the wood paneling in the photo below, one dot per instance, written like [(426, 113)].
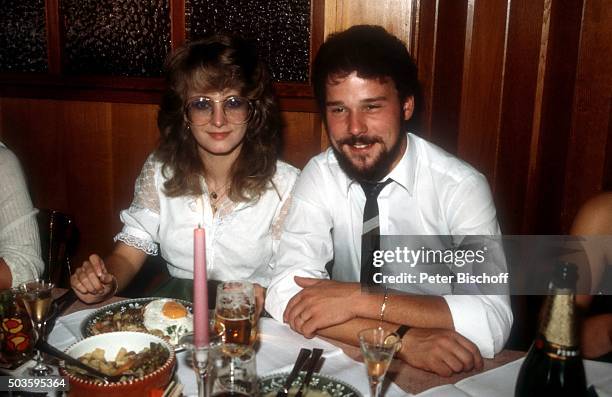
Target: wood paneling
[(484, 56), (301, 138), (520, 107)]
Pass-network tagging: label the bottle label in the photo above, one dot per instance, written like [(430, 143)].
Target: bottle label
[(556, 351)]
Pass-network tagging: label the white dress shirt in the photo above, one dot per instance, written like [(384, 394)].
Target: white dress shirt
[(240, 237), (432, 193)]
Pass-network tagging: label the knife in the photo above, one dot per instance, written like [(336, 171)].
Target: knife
[(314, 360), (299, 362)]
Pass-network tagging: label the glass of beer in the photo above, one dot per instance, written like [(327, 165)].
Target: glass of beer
[(235, 310), (37, 299), (233, 372), (378, 347)]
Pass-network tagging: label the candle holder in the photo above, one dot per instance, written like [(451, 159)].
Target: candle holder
[(199, 355)]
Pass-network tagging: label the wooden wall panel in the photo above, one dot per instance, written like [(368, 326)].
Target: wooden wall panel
[(31, 128), (86, 131), (484, 57), (527, 39), (447, 76), (393, 15), (544, 199), (301, 137), (134, 136)]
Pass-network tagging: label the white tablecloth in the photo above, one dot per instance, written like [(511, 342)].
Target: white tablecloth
[(277, 351)]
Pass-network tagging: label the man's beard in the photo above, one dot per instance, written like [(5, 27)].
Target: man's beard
[(381, 165)]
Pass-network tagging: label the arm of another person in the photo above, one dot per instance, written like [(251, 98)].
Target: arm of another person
[(19, 240), (595, 219)]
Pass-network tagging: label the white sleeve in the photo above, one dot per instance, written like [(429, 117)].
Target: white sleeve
[(19, 239), (141, 219), (484, 319), (305, 245)]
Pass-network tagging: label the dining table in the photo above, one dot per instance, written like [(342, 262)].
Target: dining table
[(279, 345)]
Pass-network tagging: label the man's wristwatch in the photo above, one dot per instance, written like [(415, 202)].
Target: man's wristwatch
[(400, 332)]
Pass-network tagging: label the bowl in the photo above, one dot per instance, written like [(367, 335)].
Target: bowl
[(111, 343)]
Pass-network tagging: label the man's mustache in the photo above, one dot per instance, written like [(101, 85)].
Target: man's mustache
[(359, 140)]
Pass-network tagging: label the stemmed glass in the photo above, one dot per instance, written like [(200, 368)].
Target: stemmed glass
[(37, 299), (235, 309), (378, 347)]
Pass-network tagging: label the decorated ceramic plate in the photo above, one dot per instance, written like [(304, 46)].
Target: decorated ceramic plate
[(167, 318), (320, 386)]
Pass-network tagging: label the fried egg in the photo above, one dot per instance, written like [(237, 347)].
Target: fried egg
[(168, 316)]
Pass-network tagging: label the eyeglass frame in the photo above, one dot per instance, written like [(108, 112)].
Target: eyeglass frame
[(200, 97)]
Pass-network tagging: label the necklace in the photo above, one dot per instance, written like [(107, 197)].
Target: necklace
[(216, 197)]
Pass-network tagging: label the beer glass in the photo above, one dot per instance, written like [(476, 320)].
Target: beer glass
[(235, 309), (37, 299), (233, 371)]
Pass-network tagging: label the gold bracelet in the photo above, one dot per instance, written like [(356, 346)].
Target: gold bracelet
[(115, 288), (383, 306)]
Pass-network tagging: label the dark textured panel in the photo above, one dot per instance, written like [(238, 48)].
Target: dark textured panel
[(281, 29), (23, 40), (116, 37)]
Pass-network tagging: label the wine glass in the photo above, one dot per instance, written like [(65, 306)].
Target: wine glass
[(235, 309), (37, 299), (378, 347)]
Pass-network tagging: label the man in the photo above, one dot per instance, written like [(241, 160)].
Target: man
[(365, 83), (20, 259)]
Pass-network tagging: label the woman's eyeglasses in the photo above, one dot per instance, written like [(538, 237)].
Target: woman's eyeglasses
[(200, 110)]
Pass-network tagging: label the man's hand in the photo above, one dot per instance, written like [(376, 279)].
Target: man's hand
[(91, 282), (444, 352), (320, 304)]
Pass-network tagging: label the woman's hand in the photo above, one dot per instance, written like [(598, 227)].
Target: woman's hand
[(91, 282)]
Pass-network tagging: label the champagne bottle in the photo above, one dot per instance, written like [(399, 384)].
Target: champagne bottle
[(553, 366)]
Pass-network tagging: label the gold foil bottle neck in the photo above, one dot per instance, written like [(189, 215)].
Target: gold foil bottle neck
[(557, 324)]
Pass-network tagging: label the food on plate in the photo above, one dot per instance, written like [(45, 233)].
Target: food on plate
[(127, 363), (166, 318)]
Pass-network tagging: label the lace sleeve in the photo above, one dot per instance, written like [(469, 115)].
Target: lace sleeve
[(277, 224), (145, 189), (141, 220)]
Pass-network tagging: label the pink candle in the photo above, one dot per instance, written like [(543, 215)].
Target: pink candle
[(200, 289)]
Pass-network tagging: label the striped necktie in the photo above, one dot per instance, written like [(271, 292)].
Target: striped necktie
[(370, 235)]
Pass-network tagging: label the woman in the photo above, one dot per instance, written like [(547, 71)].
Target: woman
[(216, 165)]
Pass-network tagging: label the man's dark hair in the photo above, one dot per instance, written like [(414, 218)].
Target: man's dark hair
[(370, 51)]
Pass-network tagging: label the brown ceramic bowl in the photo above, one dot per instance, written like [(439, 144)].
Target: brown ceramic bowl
[(111, 343)]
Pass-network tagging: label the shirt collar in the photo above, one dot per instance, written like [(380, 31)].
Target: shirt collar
[(402, 174)]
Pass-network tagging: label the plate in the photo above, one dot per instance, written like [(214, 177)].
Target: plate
[(320, 385), (88, 324)]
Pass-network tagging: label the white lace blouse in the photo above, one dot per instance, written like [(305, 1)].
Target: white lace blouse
[(240, 237)]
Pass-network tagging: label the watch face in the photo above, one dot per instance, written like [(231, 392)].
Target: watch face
[(393, 339)]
